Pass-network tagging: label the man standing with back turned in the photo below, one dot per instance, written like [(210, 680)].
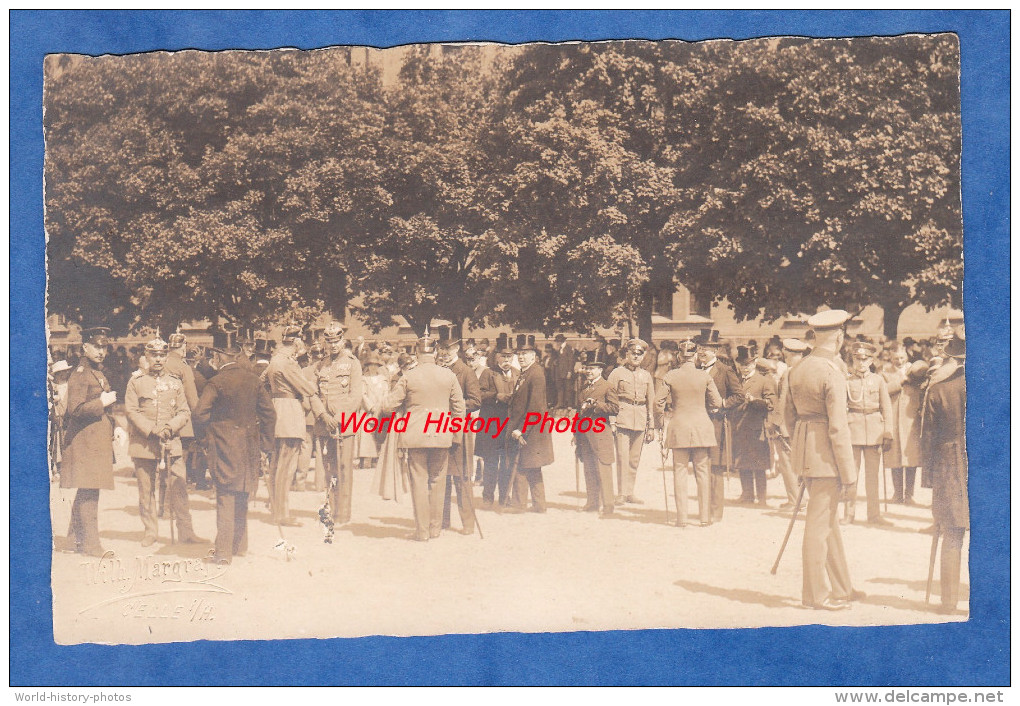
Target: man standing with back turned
[(815, 409)]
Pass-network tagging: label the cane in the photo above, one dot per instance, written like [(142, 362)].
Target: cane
[(931, 562), (513, 474), (665, 496), (885, 487), (789, 529), (577, 473)]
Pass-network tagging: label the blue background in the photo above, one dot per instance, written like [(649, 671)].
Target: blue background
[(976, 652)]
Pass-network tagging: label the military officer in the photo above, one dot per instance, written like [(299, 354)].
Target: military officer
[(87, 462), (289, 388), (426, 389), (315, 353), (177, 365), (157, 409), (815, 409), (462, 452), (634, 425), (689, 393), (728, 384), (341, 389), (793, 352), (944, 442), (236, 414), (534, 447), (871, 428), (495, 385), (596, 449)]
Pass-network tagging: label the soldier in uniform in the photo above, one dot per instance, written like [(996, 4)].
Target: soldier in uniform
[(871, 428), (822, 456), (462, 450), (793, 353), (88, 443), (534, 447), (177, 366), (236, 414), (426, 389), (596, 449), (635, 423), (728, 385), (495, 387), (689, 394), (289, 388), (341, 389), (944, 441), (157, 409)]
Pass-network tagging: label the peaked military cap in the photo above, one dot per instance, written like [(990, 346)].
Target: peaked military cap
[(862, 349), (794, 345), (637, 345), (765, 365), (830, 319), (96, 335)]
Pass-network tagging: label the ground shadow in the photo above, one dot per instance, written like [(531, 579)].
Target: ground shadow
[(741, 595), (921, 585), (376, 531)]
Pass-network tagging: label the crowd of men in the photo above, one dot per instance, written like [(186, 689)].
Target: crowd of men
[(813, 412)]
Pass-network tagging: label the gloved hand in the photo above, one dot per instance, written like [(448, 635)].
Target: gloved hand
[(649, 435), (119, 435), (887, 441), (108, 398), (165, 434)]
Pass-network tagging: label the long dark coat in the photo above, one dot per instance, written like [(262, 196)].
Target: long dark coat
[(750, 445), (88, 442), (945, 449), (495, 390), (529, 396), (728, 384), (236, 414)]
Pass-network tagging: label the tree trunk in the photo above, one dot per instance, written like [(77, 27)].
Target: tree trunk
[(891, 312)]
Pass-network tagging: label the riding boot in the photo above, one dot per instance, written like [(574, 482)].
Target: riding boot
[(760, 482), (897, 482), (746, 487), (910, 475)]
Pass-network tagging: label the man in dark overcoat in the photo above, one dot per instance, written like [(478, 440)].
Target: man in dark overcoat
[(88, 442), (237, 417), (426, 391), (495, 386), (751, 456), (462, 454), (177, 366), (534, 447), (728, 384), (944, 441), (563, 372), (596, 449)]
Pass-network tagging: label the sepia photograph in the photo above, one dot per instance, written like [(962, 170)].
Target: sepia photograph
[(473, 337)]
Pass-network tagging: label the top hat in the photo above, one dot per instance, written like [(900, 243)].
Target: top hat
[(595, 356), (221, 339), (743, 355), (525, 343), (503, 345), (709, 338)]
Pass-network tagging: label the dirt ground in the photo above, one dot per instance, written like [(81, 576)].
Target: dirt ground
[(561, 571)]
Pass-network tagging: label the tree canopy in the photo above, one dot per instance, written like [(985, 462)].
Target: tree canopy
[(545, 187)]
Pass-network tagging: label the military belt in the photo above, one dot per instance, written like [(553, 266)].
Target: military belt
[(626, 401), (865, 411), (284, 396), (813, 418)]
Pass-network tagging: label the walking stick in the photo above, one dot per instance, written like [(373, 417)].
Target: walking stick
[(931, 562), (513, 474), (665, 496), (885, 487), (577, 473), (789, 529)]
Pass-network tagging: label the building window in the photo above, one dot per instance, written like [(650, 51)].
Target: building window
[(701, 305), (662, 305)]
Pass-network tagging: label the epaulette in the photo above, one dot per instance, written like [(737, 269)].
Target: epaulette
[(80, 369), (137, 374)]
